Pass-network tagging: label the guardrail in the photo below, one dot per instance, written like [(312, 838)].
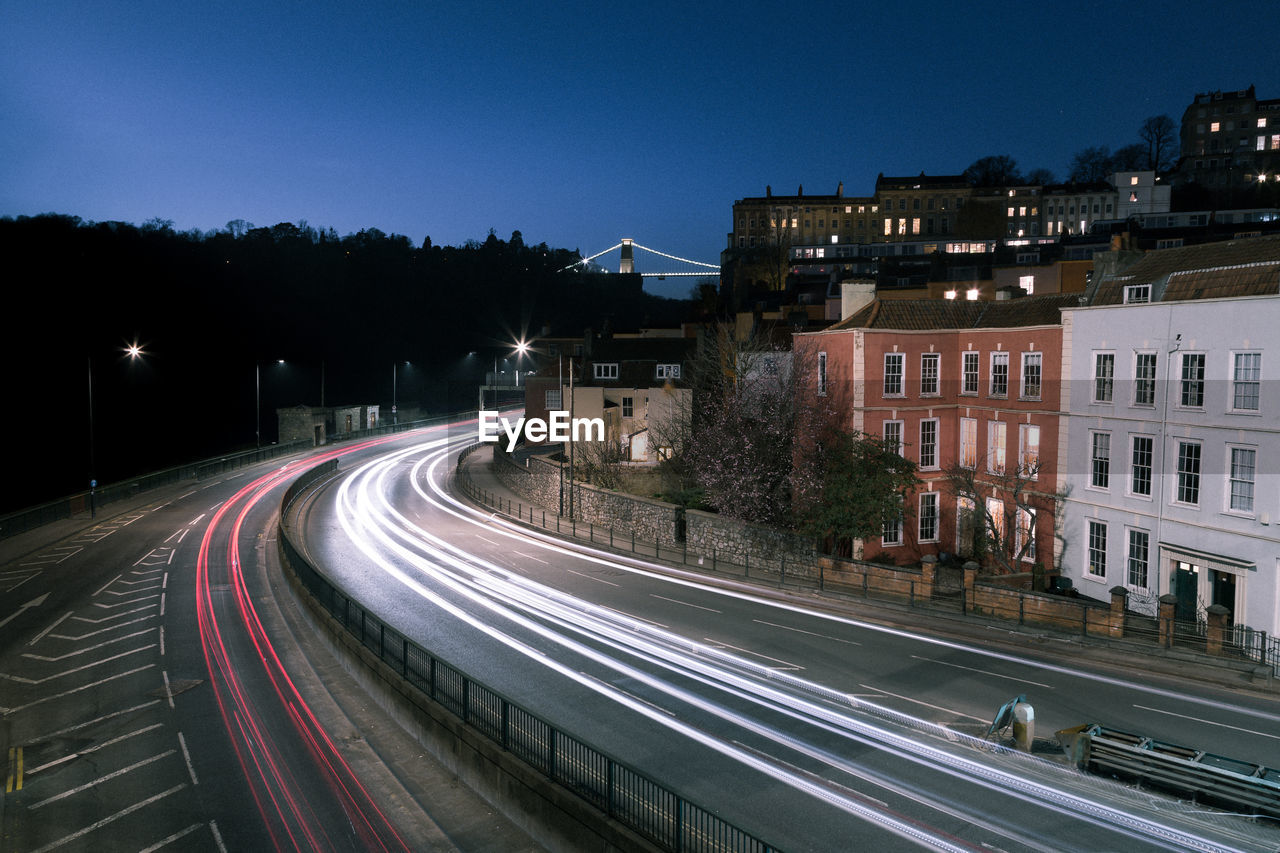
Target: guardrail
[(1242, 786), (618, 791)]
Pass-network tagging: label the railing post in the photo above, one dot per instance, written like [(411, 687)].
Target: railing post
[(713, 558)]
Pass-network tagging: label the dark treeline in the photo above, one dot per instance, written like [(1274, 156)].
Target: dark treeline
[(216, 311)]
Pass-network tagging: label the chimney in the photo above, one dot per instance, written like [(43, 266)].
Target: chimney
[(840, 190), (854, 296), (768, 191)]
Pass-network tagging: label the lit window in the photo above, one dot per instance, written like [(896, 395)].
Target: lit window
[(1024, 542), (1246, 381), (950, 294), (929, 369), (1029, 449), (969, 442), (1213, 127), (893, 362), (1097, 554), (996, 435), (1133, 180), (1188, 490), (999, 374), (1262, 122), (1027, 283), (972, 294)]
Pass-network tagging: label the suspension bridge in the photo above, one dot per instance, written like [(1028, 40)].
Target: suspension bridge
[(627, 262)]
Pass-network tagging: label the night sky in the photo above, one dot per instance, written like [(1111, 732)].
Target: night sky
[(575, 123)]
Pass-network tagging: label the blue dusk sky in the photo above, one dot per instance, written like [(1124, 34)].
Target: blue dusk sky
[(574, 123)]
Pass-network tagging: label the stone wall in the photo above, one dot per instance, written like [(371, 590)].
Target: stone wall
[(732, 540)]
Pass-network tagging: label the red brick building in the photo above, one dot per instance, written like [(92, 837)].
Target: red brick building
[(954, 382)]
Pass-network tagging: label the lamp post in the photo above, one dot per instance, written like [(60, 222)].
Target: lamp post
[(134, 352), (257, 397)]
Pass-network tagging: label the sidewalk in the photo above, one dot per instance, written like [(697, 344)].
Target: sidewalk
[(1119, 656)]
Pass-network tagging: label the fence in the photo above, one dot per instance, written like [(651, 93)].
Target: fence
[(618, 791)]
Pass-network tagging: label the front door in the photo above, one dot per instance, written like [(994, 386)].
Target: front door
[(1186, 586), (1223, 585)]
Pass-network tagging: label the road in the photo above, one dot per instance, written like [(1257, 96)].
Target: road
[(155, 693), (803, 725)]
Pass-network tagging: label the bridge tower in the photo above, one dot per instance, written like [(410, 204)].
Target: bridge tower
[(627, 264)]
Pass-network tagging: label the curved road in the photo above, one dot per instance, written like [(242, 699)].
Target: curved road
[(807, 728)]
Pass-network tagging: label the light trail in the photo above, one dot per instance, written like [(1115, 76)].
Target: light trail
[(378, 529)]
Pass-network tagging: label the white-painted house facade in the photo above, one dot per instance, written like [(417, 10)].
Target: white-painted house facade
[(1171, 446)]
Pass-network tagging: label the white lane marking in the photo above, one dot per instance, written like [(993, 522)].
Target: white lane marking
[(187, 755), (96, 720), (92, 749), (112, 775), (107, 584), (810, 633), (785, 664), (531, 557), (926, 704), (490, 541), (23, 680), (101, 630), (67, 839), (86, 649), (590, 577), (685, 603), (983, 672), (165, 842), (1209, 722), (58, 622)]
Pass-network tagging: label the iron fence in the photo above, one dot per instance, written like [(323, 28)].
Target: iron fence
[(635, 800)]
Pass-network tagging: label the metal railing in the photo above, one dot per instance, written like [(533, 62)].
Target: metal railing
[(620, 792)]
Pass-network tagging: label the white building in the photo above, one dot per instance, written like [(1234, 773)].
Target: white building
[(1172, 441)]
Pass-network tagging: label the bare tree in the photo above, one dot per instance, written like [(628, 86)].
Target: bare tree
[(600, 463), (1160, 135), (998, 170), (1091, 165)]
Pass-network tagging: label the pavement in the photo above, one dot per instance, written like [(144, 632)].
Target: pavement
[(1118, 657)]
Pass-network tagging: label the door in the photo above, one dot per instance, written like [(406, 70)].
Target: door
[(1186, 586), (1223, 586)]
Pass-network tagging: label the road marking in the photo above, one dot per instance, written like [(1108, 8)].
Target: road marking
[(685, 603), (74, 637), (788, 664), (124, 603), (530, 557), (116, 616), (926, 704), (590, 577), (112, 775), (490, 541), (56, 623), (107, 584), (96, 720), (983, 671), (86, 650), (187, 755), (810, 633), (9, 581), (92, 749), (109, 819), (1210, 722), (14, 780), (165, 842)]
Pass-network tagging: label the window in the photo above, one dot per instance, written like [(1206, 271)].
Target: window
[(1027, 283), (969, 442), (969, 376), (999, 374), (995, 519), (1137, 292), (1243, 461), (1193, 380), (1029, 449), (930, 363), (668, 371), (996, 433), (606, 371), (822, 373), (893, 363), (628, 407), (1104, 371), (929, 517), (1246, 378), (892, 532), (1139, 547), (929, 443), (1097, 553), (966, 524), (1031, 363), (1188, 485), (1100, 460), (1140, 468), (893, 436), (1024, 541), (553, 400), (1144, 379)]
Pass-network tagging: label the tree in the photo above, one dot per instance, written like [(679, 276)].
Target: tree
[(1041, 177), (999, 170), (858, 487), (1160, 136), (1091, 165), (1003, 508)]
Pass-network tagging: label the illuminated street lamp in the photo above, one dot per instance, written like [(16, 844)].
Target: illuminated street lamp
[(257, 394), (134, 351), (394, 367)]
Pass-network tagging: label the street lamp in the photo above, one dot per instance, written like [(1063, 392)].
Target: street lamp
[(134, 351), (257, 394), (394, 367)]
